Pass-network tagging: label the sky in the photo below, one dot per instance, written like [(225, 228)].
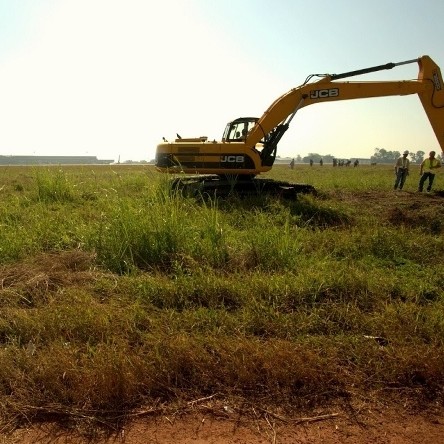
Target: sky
[(110, 78)]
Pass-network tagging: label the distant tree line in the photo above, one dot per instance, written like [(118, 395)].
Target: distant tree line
[(384, 156), (381, 156)]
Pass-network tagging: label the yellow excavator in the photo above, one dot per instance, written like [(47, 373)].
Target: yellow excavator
[(249, 144)]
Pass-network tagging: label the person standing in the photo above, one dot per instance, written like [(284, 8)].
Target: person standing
[(428, 171), (402, 166)]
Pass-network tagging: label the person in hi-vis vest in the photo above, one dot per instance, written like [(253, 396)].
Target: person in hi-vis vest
[(428, 170)]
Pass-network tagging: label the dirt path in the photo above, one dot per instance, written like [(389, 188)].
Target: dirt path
[(378, 426)]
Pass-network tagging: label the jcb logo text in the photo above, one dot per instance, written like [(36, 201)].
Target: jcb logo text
[(232, 159), (324, 93)]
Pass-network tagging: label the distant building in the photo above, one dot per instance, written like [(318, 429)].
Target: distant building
[(53, 160)]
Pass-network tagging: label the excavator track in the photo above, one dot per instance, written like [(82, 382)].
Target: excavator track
[(214, 185)]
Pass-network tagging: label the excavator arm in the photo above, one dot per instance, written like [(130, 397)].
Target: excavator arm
[(276, 119), (249, 145)]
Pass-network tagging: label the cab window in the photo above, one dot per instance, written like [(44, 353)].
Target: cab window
[(238, 130)]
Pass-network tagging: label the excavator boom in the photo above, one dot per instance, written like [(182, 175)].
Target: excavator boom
[(428, 86)]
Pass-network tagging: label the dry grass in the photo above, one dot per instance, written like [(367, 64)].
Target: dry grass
[(283, 305)]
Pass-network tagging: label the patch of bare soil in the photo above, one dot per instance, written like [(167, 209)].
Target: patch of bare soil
[(399, 208), (412, 209), (379, 425)]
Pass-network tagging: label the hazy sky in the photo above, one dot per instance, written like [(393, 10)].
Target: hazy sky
[(110, 78)]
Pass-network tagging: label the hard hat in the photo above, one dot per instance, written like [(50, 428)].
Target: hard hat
[(406, 152)]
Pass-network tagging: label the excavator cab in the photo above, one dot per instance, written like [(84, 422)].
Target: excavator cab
[(238, 129)]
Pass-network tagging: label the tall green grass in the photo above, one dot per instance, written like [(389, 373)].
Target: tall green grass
[(118, 293)]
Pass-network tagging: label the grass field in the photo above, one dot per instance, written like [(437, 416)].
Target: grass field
[(117, 295)]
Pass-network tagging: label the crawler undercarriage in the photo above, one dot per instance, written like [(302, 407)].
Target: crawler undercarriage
[(223, 186)]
